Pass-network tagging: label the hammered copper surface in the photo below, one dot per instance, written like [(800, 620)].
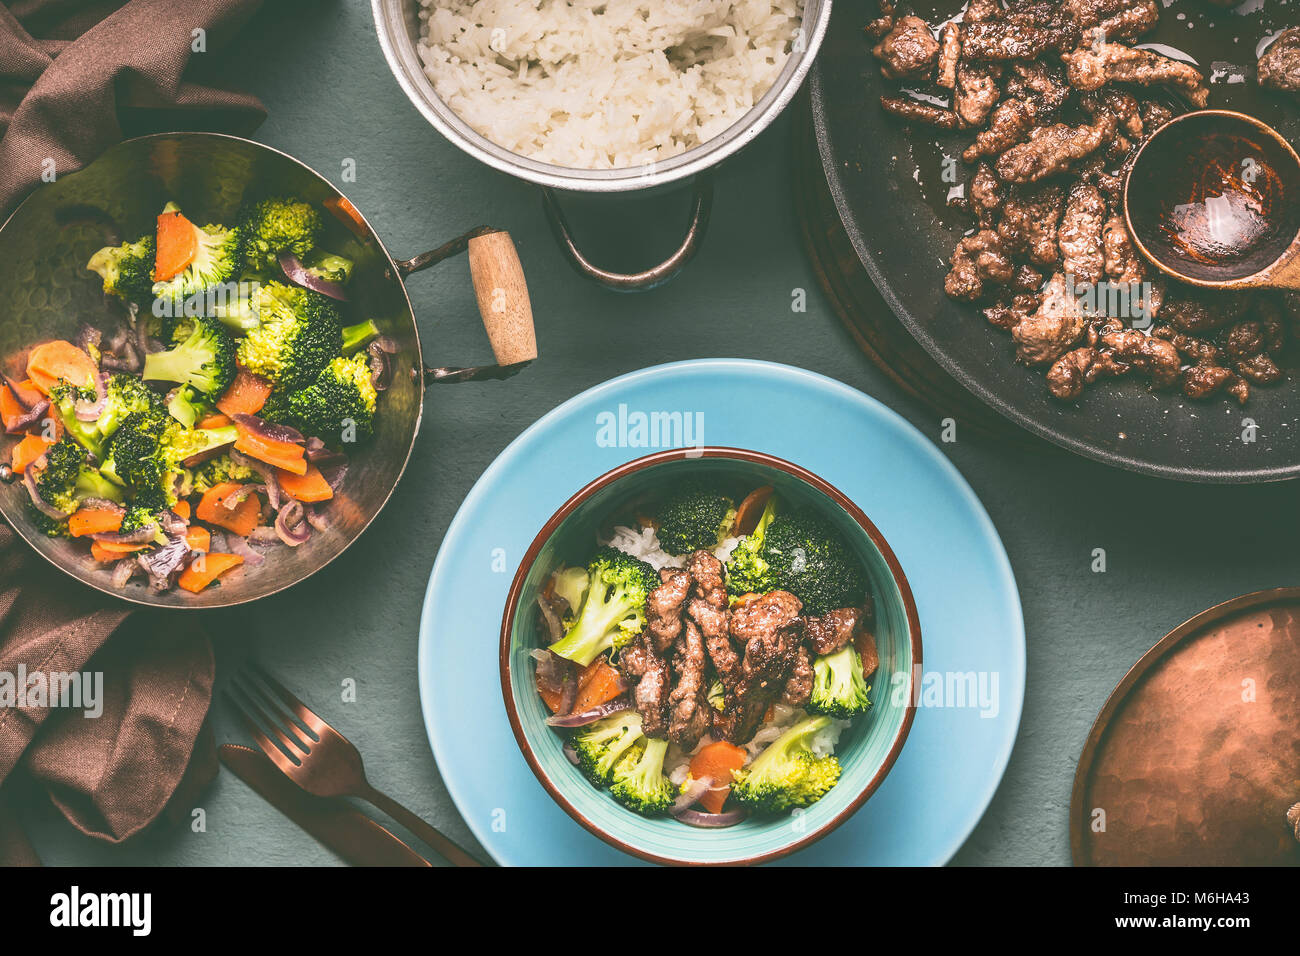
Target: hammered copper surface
[(1195, 760)]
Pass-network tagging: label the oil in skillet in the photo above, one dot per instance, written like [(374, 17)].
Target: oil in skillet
[(1220, 199)]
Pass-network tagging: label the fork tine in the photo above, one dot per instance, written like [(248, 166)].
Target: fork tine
[(303, 712), (286, 764), (290, 734)]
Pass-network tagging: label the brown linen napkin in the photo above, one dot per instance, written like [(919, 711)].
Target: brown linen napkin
[(71, 72), (113, 774)]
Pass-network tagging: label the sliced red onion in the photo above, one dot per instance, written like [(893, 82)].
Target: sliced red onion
[(554, 629), (297, 273), (102, 504), (87, 337), (291, 525), (381, 367), (29, 417), (334, 475), (692, 790), (207, 454), (551, 669), (172, 523), (41, 505), (317, 519), (568, 693), (589, 716), (240, 547), (319, 454), (139, 536), (384, 343), (264, 471), (217, 543), (88, 411), (264, 429), (233, 499), (123, 571), (162, 564), (711, 821), (570, 753), (263, 537)]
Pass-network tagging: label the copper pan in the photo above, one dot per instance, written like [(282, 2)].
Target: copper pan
[(46, 292)]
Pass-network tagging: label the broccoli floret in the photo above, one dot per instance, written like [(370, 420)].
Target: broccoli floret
[(330, 267), (214, 471), (839, 688), (694, 516), (571, 584), (137, 517), (205, 359), (639, 782), (136, 459), (602, 745), (297, 335), (127, 270), (339, 407), (124, 394), (806, 556), (747, 570), (185, 406), (236, 309), (787, 773), (216, 260), (68, 478), (275, 225), (614, 610), (359, 336), (718, 697)]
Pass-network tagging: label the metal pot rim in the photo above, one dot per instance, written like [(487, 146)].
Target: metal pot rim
[(404, 62)]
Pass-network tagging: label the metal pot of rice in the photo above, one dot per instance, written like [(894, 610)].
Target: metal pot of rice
[(603, 96)]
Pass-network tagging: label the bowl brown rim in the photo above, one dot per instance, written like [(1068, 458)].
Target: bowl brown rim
[(751, 457)]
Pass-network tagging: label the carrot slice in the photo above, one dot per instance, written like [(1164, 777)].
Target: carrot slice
[(178, 244), (277, 453), (246, 394), (106, 552), (213, 421), (866, 645), (347, 214), (206, 568), (240, 519), (310, 486), (11, 409), (52, 361), (182, 508), (198, 538), (27, 451), (597, 684), (94, 521), (718, 761)]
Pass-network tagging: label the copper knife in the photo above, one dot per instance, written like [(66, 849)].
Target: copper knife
[(348, 832)]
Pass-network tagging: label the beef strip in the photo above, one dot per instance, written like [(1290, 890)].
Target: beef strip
[(1091, 68), (689, 712), (1279, 66), (1017, 37), (1156, 357), (1052, 149), (798, 686), (664, 609), (706, 572), (949, 55), (648, 674), (976, 92), (1069, 373), (978, 259), (1029, 223), (907, 49), (1080, 235), (915, 111), (833, 630), (1058, 323), (770, 633), (1008, 124)]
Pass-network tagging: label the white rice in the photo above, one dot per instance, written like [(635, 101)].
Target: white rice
[(604, 84), (643, 543)]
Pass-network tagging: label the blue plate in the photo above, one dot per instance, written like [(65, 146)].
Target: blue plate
[(972, 689)]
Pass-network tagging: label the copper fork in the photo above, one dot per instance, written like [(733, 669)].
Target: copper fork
[(320, 759)]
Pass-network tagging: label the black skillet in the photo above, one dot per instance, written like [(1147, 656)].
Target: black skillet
[(887, 182)]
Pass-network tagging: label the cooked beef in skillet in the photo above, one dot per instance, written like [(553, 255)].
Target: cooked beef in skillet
[(1279, 66), (907, 49), (1055, 99)]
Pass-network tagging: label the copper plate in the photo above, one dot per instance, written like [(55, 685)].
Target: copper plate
[(1195, 759)]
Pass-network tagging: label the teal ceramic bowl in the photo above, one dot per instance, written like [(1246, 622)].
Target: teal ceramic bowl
[(866, 750)]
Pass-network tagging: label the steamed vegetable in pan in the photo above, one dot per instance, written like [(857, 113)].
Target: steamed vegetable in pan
[(706, 659), (218, 415)]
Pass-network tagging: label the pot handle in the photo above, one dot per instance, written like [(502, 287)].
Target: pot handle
[(635, 281), (503, 303)]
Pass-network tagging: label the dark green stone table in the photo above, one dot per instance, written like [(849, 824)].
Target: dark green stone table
[(1172, 550)]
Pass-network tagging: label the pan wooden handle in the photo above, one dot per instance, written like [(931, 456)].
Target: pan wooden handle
[(502, 296)]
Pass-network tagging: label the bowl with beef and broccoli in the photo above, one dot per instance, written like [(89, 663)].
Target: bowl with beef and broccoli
[(210, 374), (707, 657)]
